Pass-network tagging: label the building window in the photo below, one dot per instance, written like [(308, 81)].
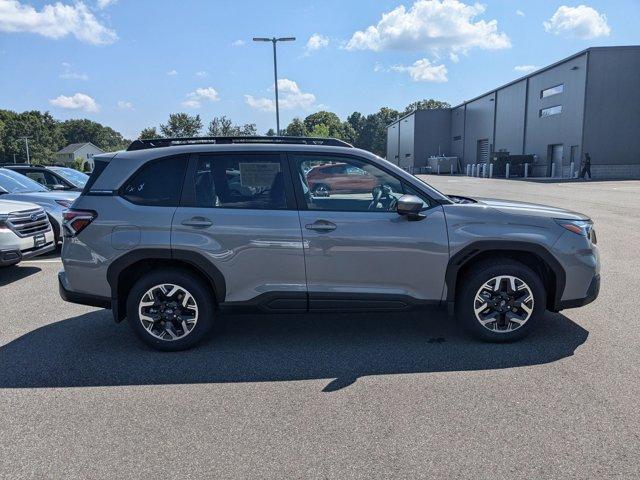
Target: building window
[(457, 137), (552, 91), (547, 112)]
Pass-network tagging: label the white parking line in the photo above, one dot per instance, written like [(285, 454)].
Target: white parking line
[(55, 260)]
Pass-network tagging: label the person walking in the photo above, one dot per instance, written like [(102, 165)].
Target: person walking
[(586, 166)]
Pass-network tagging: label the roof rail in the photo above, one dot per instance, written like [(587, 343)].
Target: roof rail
[(169, 142)]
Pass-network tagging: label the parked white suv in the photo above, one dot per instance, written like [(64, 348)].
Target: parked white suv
[(25, 232)]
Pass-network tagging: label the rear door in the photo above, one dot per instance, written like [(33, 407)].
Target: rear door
[(358, 250), (238, 210)]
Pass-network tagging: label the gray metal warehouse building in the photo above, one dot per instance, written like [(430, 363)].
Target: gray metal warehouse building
[(589, 102)]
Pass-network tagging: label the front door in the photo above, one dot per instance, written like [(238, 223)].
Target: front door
[(239, 212), (358, 250)]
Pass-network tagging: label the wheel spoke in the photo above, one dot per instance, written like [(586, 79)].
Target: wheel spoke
[(491, 317)]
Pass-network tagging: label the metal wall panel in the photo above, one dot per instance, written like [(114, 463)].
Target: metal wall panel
[(563, 129), (612, 120), (478, 125), (407, 142), (510, 112), (393, 142), (432, 134)]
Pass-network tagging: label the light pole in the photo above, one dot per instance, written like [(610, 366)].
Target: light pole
[(26, 144), (275, 40)]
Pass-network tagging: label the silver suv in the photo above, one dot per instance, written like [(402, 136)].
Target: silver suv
[(174, 231)]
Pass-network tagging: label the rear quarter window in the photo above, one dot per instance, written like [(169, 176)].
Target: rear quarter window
[(157, 183)]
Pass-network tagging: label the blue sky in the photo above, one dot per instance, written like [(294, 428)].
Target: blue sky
[(128, 64)]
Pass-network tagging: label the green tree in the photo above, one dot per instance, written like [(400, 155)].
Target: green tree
[(296, 128), (270, 133), (84, 130), (149, 133), (426, 104), (329, 119), (41, 129), (372, 135), (182, 125), (224, 127), (320, 130), (78, 163)]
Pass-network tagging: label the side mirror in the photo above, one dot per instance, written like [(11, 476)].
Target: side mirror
[(410, 206)]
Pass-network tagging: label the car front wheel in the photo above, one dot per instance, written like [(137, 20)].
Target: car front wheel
[(170, 310), (501, 301)]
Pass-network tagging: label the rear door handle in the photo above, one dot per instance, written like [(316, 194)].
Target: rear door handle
[(197, 222), (321, 226)]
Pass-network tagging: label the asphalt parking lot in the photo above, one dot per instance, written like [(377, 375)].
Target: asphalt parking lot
[(339, 396)]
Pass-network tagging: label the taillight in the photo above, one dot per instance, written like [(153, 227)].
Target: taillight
[(77, 220)]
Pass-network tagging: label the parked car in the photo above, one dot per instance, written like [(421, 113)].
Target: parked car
[(71, 175), (14, 186), (53, 178), (323, 180), (25, 232), (162, 237)]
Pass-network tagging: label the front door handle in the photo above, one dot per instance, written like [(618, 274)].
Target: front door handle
[(197, 222), (321, 226)]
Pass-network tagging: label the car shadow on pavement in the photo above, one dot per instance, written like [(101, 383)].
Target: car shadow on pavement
[(90, 350), (18, 272)]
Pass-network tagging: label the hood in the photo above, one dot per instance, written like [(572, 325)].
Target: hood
[(532, 209), (10, 206)]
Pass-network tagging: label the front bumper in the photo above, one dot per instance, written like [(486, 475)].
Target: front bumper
[(592, 294), (79, 297), (13, 256)]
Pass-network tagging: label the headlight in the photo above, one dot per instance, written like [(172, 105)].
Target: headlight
[(579, 227), (64, 203)]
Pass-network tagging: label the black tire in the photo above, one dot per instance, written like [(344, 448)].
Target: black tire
[(200, 292), (475, 278), (57, 238)]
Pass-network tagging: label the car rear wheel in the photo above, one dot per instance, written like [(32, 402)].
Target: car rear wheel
[(501, 301), (170, 310)]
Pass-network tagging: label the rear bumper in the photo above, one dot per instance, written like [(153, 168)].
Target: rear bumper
[(78, 297), (13, 256), (592, 294)]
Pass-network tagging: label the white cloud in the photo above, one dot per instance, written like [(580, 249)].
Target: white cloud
[(290, 98), (525, 68), (580, 22), (200, 95), (238, 43), (317, 42), (55, 21), (201, 73), (102, 4), (433, 25), (172, 72), (424, 71), (123, 105), (520, 13), (79, 101)]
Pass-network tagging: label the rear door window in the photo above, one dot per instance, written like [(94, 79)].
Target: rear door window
[(250, 181)]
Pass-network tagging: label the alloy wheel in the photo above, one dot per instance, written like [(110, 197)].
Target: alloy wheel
[(503, 304), (168, 312)]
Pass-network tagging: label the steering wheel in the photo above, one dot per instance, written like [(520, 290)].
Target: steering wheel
[(382, 193)]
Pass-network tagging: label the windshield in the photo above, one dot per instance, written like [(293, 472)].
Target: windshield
[(79, 179), (12, 182)]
